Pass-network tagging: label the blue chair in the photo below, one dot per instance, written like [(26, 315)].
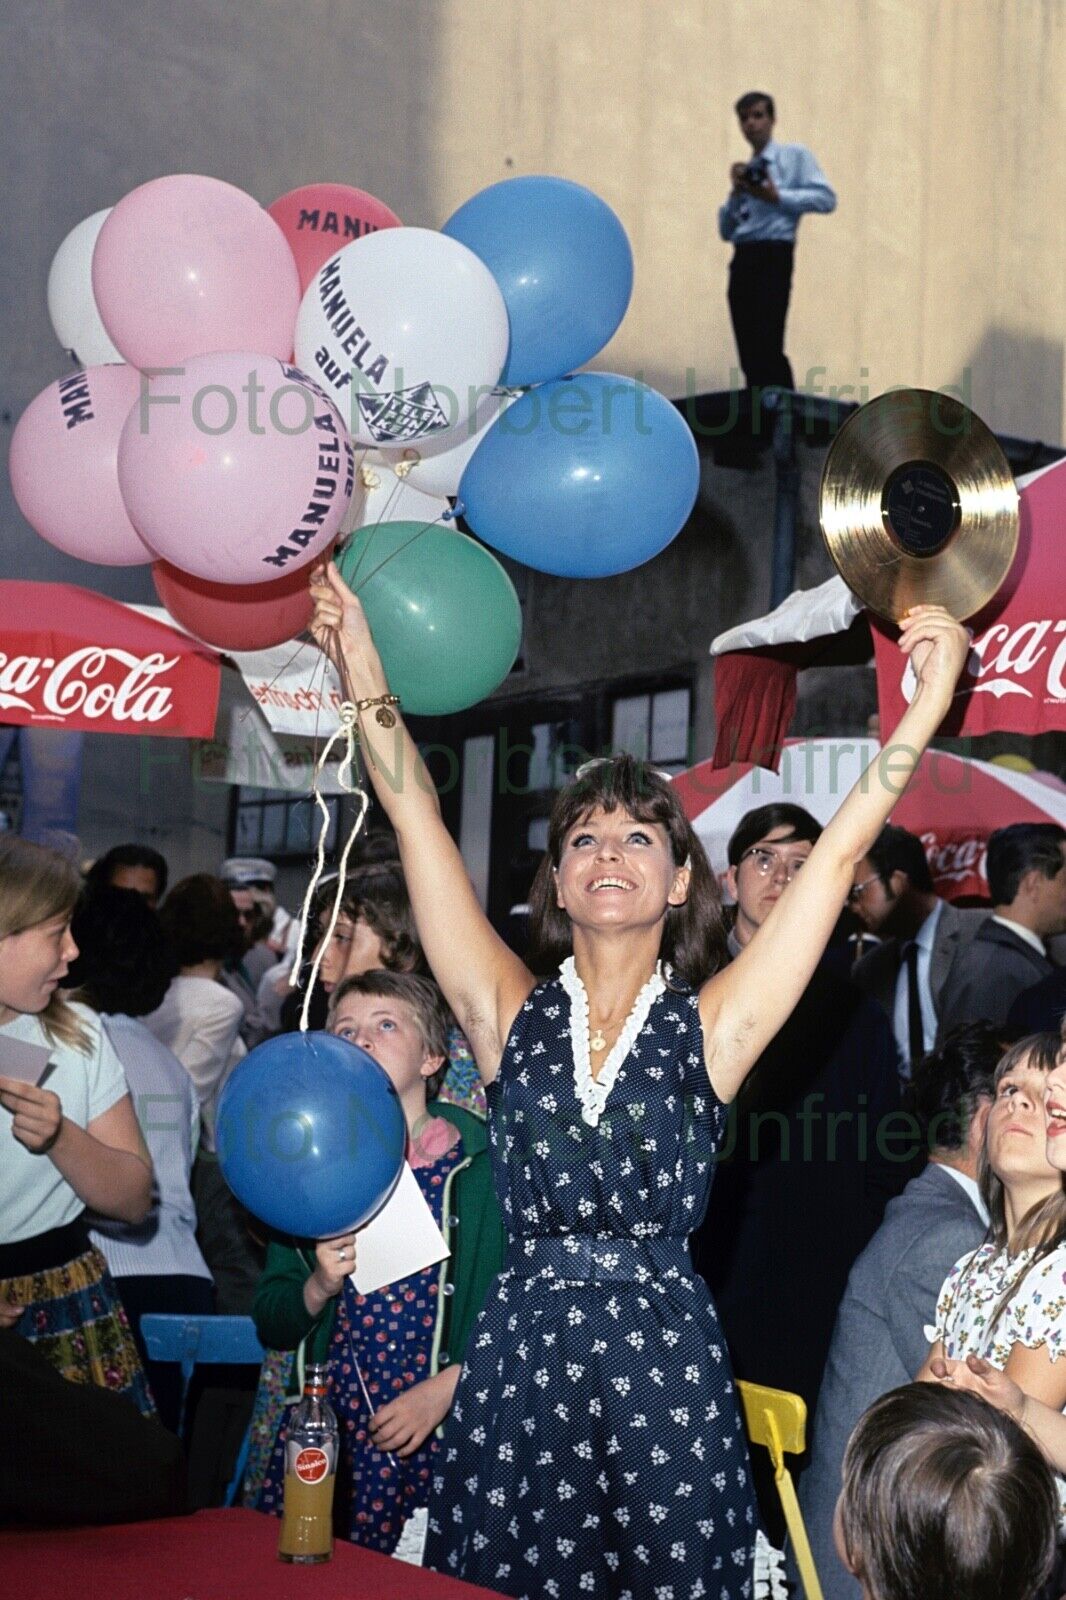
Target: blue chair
[(192, 1341)]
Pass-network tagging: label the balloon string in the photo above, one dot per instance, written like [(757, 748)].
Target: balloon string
[(371, 480), (348, 731), (399, 550), (371, 529), (302, 644)]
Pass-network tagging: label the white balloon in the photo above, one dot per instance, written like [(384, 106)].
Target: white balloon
[(403, 329), (437, 468), (71, 303)]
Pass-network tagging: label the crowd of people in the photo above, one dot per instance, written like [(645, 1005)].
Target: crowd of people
[(665, 1145)]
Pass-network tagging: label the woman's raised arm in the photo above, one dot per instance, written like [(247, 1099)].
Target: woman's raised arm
[(483, 981), (743, 1006)]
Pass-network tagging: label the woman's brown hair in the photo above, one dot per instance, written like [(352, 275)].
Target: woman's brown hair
[(945, 1498), (38, 885), (693, 939)]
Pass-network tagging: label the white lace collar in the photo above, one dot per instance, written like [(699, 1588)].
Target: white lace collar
[(592, 1092)]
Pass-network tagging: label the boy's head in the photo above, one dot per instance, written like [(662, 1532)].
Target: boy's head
[(946, 1498), (400, 1020)]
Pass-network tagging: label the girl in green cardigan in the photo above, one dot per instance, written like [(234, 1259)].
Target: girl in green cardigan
[(395, 1355)]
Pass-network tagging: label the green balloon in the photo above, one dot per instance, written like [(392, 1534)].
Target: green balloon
[(444, 614)]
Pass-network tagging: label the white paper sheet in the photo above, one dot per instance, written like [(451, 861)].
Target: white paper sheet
[(401, 1240), (22, 1060)]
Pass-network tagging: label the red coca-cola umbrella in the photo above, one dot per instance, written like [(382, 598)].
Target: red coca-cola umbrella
[(70, 658), (953, 803)]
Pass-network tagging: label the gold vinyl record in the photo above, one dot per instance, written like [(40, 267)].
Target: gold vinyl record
[(918, 505)]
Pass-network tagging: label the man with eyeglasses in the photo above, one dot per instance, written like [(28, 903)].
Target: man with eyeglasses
[(248, 880), (907, 973), (802, 1180)]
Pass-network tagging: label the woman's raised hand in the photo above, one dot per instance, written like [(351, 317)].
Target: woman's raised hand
[(339, 627), (937, 646), (337, 609)]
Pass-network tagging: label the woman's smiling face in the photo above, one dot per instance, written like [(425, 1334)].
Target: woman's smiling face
[(615, 871), (1055, 1111)]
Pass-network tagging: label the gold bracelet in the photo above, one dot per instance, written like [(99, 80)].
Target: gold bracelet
[(382, 716)]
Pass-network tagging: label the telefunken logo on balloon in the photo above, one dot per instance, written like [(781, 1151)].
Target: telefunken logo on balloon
[(92, 682), (408, 414)]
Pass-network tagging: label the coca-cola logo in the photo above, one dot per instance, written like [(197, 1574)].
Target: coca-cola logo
[(1004, 655), (955, 859), (92, 682), (311, 1465)]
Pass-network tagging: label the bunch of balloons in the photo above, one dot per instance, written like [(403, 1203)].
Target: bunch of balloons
[(261, 384)]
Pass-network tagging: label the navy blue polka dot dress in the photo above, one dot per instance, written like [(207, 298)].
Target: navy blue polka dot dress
[(595, 1444)]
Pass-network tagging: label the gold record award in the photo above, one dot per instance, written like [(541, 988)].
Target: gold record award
[(918, 505)]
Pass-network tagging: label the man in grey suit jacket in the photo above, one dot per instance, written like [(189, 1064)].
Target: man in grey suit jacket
[(879, 1340), (893, 897), (1026, 866)]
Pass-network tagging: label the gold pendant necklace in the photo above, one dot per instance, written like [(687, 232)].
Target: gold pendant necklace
[(597, 1041)]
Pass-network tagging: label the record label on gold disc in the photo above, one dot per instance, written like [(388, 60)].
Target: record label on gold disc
[(918, 505)]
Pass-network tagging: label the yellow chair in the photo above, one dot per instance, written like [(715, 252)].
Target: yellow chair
[(777, 1420)]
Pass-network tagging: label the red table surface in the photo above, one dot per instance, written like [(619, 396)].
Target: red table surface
[(213, 1555)]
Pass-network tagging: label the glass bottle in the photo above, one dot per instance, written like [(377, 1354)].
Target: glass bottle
[(310, 1474)]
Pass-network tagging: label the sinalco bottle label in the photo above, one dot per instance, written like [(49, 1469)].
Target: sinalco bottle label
[(311, 1464)]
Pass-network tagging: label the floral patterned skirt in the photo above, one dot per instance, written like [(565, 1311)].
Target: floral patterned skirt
[(75, 1318), (267, 1413)]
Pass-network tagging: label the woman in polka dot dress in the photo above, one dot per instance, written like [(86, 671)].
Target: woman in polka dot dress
[(595, 1444)]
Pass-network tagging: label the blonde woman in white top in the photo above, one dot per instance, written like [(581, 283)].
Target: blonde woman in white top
[(67, 1143)]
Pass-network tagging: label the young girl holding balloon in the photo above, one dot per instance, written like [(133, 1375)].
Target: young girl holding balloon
[(374, 930), (394, 1354), (595, 1444)]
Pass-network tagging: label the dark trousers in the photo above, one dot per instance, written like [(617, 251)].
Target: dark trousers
[(177, 1294), (76, 1453), (760, 281), (235, 1259)]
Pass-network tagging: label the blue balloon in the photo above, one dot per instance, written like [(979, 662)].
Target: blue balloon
[(310, 1135), (563, 263), (583, 477)]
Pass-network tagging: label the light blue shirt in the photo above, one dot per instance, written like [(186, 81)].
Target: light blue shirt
[(802, 186), (924, 939), (165, 1103)]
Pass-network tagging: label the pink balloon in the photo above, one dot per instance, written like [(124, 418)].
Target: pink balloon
[(319, 219), (237, 469), (185, 265), (235, 616), (63, 466)]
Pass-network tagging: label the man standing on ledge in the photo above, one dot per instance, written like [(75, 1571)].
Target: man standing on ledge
[(770, 193)]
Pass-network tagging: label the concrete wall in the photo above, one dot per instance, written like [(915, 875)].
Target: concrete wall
[(936, 120), (945, 264)]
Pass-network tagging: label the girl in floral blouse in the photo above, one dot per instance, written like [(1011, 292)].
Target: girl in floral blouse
[(1005, 1302)]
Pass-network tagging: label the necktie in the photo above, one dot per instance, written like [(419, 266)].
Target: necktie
[(915, 1029)]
